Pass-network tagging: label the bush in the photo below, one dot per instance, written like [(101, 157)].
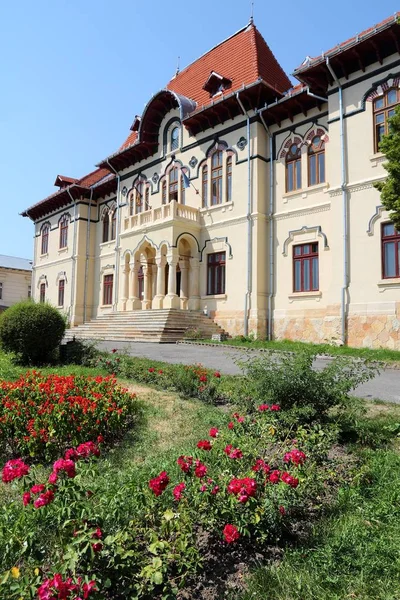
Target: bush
[(78, 352), (33, 331), (40, 415)]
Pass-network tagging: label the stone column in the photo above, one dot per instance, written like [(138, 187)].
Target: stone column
[(160, 295), (146, 302), (172, 299), (134, 300), (153, 281), (194, 284), (184, 294), (122, 304)]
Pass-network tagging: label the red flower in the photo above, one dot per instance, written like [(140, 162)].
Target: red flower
[(275, 407), (87, 588), (203, 488), (160, 372), (275, 476), (297, 457), (282, 510), (228, 449), (14, 469), (215, 490), (178, 490), (26, 498), (70, 454), (98, 534), (200, 470), (151, 370), (233, 452), (231, 425), (100, 439), (97, 547), (114, 350), (204, 445), (217, 374), (185, 462), (260, 465), (38, 489), (159, 483), (66, 465), (263, 407), (231, 534), (203, 378), (87, 449), (44, 499), (53, 478), (213, 432), (290, 480), (243, 488)]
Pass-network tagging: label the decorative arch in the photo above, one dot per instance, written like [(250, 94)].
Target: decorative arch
[(316, 131), (156, 110), (42, 279), (189, 235), (61, 275), (105, 211), (63, 216), (287, 143), (173, 122), (317, 230), (224, 240), (142, 241), (375, 217), (216, 145), (380, 87), (45, 224)]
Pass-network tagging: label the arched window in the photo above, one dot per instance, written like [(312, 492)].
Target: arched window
[(139, 197), (175, 138), (173, 184), (42, 297), (64, 232), (204, 186), (164, 192), (182, 190), (216, 178), (45, 239), (229, 179), (384, 108), (106, 225), (140, 277), (113, 224), (147, 199), (316, 161), (132, 203), (293, 169)]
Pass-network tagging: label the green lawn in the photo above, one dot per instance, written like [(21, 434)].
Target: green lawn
[(379, 354)]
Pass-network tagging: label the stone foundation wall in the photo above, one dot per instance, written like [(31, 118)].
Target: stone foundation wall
[(233, 322), (374, 331), (318, 326)]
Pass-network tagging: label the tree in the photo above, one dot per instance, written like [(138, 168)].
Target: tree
[(390, 188)]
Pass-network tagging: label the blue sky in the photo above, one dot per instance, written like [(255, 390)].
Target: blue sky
[(75, 72)]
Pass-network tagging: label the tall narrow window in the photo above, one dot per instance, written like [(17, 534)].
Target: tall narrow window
[(64, 232), (204, 186), (183, 189), (216, 178), (113, 224), (216, 274), (61, 288), (229, 179), (29, 291), (390, 251), (106, 225), (132, 203), (140, 277), (164, 192), (175, 138), (147, 199), (316, 161), (293, 169), (173, 184), (305, 268), (1, 291), (45, 239), (42, 296), (384, 108), (139, 197), (108, 289)]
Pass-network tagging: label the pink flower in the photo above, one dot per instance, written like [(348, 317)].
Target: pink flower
[(87, 449), (263, 407), (204, 445), (203, 488), (70, 454), (228, 449), (44, 499), (38, 489), (203, 378), (178, 490), (14, 469), (215, 490), (240, 420), (275, 407), (87, 588), (98, 534), (65, 464), (231, 534), (53, 478), (213, 432), (236, 453), (26, 498), (200, 470), (230, 425)]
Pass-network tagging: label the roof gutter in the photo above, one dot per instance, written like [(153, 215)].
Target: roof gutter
[(116, 287), (247, 298), (315, 95), (345, 287)]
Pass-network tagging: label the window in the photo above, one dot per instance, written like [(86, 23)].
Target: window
[(42, 297), (113, 224), (229, 179), (305, 268), (390, 251), (216, 274), (384, 108), (141, 283), (182, 190), (316, 161), (45, 239), (1, 291), (147, 199), (108, 289), (29, 291), (132, 204), (106, 225), (293, 169), (204, 186), (64, 232), (139, 197), (61, 287), (164, 192), (175, 138), (216, 178), (173, 184)]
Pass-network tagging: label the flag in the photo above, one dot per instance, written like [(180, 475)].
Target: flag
[(186, 180)]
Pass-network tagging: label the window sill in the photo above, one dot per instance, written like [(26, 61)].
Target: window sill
[(304, 295), (215, 297), (105, 244), (105, 305), (63, 250), (303, 193), (389, 282), (223, 206), (377, 158), (44, 255)]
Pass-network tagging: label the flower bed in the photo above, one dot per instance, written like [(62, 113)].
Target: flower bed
[(40, 415)]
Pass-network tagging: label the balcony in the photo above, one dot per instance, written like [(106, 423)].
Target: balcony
[(167, 212)]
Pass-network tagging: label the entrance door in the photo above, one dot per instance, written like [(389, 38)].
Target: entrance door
[(178, 281)]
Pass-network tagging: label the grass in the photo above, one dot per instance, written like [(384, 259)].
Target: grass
[(380, 354), (11, 371)]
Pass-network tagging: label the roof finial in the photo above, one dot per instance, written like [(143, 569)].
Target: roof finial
[(178, 66), (251, 13)]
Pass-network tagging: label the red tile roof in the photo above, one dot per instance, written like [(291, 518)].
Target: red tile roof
[(93, 177), (131, 139), (243, 58)]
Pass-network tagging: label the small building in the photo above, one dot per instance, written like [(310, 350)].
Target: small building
[(15, 280), (240, 195)]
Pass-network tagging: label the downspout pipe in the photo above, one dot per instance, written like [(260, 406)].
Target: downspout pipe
[(73, 273), (116, 286), (345, 287), (87, 255), (315, 96), (247, 297), (271, 225)]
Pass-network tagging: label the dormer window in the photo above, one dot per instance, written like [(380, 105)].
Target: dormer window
[(175, 138), (217, 84)]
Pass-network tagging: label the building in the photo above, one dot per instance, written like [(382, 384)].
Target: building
[(237, 194), (15, 280)]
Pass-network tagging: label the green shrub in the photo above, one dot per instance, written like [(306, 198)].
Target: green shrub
[(78, 352), (32, 331)]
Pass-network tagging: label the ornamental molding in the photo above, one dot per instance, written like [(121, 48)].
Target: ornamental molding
[(224, 240), (61, 275), (42, 279), (193, 162), (242, 143), (317, 229), (358, 186), (380, 87), (107, 268), (377, 215), (318, 208), (155, 178)]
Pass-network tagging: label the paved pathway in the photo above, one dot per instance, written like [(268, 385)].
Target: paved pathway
[(385, 386)]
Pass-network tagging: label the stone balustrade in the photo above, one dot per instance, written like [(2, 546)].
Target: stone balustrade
[(167, 212)]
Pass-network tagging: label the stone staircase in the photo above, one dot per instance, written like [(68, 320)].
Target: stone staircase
[(162, 326)]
